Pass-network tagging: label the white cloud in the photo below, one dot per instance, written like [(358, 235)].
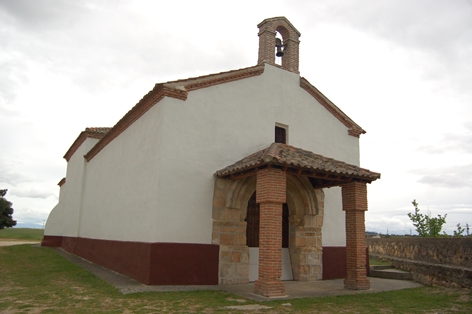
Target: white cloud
[(457, 177), (33, 193), (401, 69)]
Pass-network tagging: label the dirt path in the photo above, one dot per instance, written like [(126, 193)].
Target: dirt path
[(9, 242)]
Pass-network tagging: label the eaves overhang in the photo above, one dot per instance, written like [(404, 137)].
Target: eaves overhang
[(322, 171)]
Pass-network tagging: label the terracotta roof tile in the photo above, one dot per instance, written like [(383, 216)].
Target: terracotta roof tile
[(194, 83), (288, 156), (97, 133), (62, 182)]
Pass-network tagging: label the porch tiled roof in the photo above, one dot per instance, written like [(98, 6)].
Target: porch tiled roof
[(286, 156)]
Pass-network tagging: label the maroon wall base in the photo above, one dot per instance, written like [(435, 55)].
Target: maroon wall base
[(184, 264), (52, 241), (149, 263), (334, 262)]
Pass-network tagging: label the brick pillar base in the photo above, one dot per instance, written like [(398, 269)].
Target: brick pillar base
[(270, 194), (269, 289), (355, 204)]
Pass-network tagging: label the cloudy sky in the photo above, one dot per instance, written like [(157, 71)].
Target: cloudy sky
[(402, 69)]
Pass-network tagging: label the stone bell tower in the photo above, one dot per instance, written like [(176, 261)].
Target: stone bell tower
[(267, 42)]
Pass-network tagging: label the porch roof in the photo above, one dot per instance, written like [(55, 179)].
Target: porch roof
[(322, 171)]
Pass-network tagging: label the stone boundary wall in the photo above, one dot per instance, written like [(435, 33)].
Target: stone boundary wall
[(449, 251), (438, 261)]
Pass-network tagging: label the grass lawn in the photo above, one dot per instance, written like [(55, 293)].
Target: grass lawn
[(27, 234), (34, 279), (377, 262)]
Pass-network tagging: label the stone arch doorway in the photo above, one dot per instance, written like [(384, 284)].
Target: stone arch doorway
[(271, 170), (252, 239), (304, 219)]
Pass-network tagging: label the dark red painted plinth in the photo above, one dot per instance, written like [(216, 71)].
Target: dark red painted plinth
[(334, 262), (149, 263), (52, 241)]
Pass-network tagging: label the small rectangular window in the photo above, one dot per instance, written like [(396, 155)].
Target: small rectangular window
[(280, 135)]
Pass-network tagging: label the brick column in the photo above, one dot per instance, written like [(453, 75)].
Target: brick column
[(355, 204), (270, 194), (266, 46)]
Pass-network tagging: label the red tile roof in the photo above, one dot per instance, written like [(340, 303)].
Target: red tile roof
[(97, 133), (62, 182), (299, 161), (176, 89)]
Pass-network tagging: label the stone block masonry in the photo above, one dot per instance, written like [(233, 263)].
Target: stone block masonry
[(432, 261), (230, 233)]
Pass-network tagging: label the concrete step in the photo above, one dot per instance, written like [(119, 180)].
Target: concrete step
[(389, 273)]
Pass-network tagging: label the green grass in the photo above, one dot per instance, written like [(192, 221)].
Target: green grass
[(378, 262), (34, 279), (29, 234)]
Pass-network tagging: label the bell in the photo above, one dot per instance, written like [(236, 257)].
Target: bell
[(278, 45), (279, 52)]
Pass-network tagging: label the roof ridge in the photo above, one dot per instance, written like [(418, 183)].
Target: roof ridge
[(97, 129), (202, 81)]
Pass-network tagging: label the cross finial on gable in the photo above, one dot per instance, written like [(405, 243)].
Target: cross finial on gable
[(268, 29)]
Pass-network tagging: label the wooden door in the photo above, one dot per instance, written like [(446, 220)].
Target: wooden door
[(252, 219), (285, 226), (252, 240)]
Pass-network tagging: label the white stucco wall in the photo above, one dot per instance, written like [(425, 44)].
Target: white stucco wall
[(219, 125), (64, 218), (122, 190), (154, 183), (333, 231), (54, 223)]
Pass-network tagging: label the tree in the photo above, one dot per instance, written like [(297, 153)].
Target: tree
[(6, 212), (425, 225), (459, 231)]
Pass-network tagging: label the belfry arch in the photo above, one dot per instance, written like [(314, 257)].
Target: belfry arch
[(290, 35)]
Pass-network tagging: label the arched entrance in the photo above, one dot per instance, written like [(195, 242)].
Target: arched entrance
[(272, 171), (303, 220), (252, 240)]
